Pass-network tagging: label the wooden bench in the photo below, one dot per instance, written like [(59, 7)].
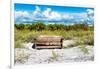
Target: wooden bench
[(48, 42)]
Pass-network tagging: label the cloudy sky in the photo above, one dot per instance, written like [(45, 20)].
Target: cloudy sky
[(30, 13)]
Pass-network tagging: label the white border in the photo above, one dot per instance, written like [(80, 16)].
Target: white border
[(81, 3), (12, 34), (78, 3)]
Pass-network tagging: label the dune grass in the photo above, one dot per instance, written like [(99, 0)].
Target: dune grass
[(84, 49), (82, 37), (54, 55)]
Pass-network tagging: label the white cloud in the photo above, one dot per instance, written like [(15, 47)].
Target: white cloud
[(89, 11), (79, 15), (67, 16), (37, 13), (49, 15), (47, 12), (37, 10), (22, 16), (55, 15), (46, 15), (21, 13), (90, 16)]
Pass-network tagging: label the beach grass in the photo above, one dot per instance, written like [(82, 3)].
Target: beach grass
[(81, 37)]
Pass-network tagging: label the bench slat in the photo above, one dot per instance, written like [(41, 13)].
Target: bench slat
[(49, 42), (48, 47)]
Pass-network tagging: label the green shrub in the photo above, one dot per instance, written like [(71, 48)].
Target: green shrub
[(39, 26), (20, 26)]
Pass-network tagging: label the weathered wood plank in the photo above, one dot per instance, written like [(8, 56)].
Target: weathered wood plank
[(49, 42), (49, 38), (46, 47)]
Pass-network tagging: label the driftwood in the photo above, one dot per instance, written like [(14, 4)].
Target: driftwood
[(49, 42)]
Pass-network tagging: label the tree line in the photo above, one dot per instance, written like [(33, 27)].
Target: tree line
[(41, 26)]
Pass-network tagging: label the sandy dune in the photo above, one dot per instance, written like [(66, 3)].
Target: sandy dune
[(33, 56)]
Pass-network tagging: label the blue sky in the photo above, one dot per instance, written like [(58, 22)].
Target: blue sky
[(31, 13)]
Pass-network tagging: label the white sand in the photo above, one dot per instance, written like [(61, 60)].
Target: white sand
[(33, 56)]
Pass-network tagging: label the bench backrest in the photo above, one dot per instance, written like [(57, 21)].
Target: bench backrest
[(52, 41)]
